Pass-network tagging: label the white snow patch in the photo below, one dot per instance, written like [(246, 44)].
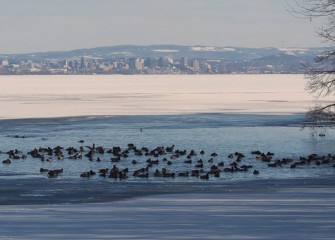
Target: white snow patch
[(122, 53), (165, 50), (293, 51), (229, 49), (212, 49)]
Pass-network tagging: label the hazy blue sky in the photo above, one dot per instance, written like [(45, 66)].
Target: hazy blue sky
[(43, 25)]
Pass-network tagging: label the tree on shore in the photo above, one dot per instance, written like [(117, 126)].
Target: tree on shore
[(321, 75)]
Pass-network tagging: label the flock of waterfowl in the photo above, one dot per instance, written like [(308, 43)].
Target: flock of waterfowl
[(157, 162)]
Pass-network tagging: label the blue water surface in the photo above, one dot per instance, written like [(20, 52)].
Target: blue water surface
[(219, 133)]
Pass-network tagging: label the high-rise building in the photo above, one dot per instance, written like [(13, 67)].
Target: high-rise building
[(84, 63), (196, 65), (163, 62), (66, 64), (184, 61), (151, 62), (73, 64), (4, 62), (136, 64)]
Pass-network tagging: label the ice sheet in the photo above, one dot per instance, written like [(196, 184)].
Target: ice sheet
[(304, 211), (59, 96)]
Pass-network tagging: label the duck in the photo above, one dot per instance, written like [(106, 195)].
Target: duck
[(7, 161), (195, 173), (44, 170), (201, 165), (158, 173), (85, 175), (143, 175), (167, 174), (206, 177), (183, 174), (55, 173), (221, 164)]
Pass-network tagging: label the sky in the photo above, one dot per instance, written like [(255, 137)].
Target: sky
[(45, 25)]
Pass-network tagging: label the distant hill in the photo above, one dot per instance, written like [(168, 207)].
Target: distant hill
[(177, 51)]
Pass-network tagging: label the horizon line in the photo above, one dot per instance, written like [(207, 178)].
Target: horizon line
[(152, 45)]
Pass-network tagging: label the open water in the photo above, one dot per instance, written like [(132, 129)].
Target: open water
[(220, 133)]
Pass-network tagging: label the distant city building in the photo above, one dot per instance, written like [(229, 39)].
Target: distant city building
[(184, 61), (151, 62), (196, 65), (139, 64), (163, 62), (73, 64), (158, 62), (4, 62), (136, 64), (84, 63), (30, 64), (209, 69), (66, 64)]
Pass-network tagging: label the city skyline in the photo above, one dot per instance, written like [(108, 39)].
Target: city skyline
[(168, 59), (40, 26)]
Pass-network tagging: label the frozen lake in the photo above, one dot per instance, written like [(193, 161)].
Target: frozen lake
[(60, 96)]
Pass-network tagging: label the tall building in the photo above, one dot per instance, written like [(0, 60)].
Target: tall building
[(196, 65), (66, 64), (184, 61), (136, 64), (151, 62), (163, 62), (73, 64), (139, 64), (84, 63), (4, 62)]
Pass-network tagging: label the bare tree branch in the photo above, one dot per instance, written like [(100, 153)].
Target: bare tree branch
[(321, 74), (320, 116), (313, 8)]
